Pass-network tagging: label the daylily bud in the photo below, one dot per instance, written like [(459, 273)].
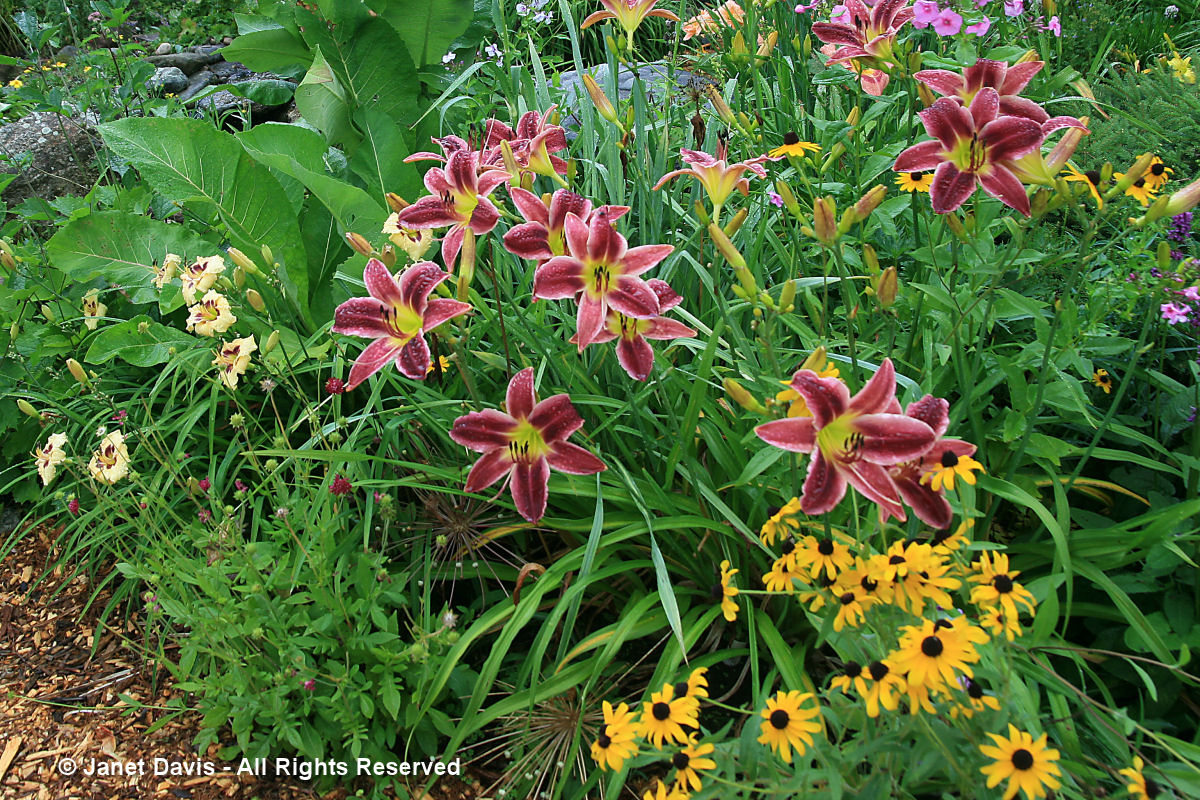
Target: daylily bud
[(854, 116), (734, 224), (395, 202), (600, 100), (789, 199), (870, 258), (702, 213), (869, 202), (815, 360), (76, 370), (726, 247), (887, 287), (255, 300), (268, 256), (837, 151), (359, 244), (1164, 255), (786, 297), (14, 329), (28, 409), (721, 107), (510, 161), (1029, 55), (272, 341), (747, 280), (744, 121), (242, 260), (925, 94), (742, 397), (7, 257), (1037, 206), (808, 46), (1158, 209), (914, 60), (737, 49), (239, 277), (767, 47), (1136, 171), (825, 220), (47, 312), (956, 226), (388, 255), (466, 266), (1183, 200), (767, 301), (1051, 7), (740, 292)]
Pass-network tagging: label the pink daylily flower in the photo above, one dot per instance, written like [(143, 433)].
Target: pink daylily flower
[(629, 14), (533, 142), (871, 31), (853, 440), (972, 146), (634, 353), (928, 505), (458, 199), (1008, 82), (397, 316), (601, 271), (873, 81), (543, 234), (718, 178), (522, 443)]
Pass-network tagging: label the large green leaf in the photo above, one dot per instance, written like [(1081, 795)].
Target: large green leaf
[(428, 27), (189, 161), (138, 345), (273, 50), (124, 249), (322, 101), (379, 160)]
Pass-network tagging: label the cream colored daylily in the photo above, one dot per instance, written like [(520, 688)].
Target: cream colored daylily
[(171, 265), (211, 315), (413, 242), (233, 359), (49, 456), (110, 462), (93, 309), (200, 276)]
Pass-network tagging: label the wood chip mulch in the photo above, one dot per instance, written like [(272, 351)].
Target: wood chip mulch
[(65, 697)]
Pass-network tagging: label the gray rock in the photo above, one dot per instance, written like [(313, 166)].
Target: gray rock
[(167, 80), (198, 82), (205, 49), (67, 54), (51, 155), (163, 49), (659, 80), (190, 63)]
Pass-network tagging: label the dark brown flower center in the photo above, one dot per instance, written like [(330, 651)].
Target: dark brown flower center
[(1158, 169), (949, 460), (916, 176), (680, 760), (1093, 176), (974, 690), (789, 547), (1152, 789), (878, 670), (1003, 584), (779, 719), (1140, 182), (853, 669), (681, 689), (1022, 759), (941, 624), (825, 547), (932, 646), (868, 584), (847, 598), (604, 741), (791, 137), (896, 560), (661, 710)]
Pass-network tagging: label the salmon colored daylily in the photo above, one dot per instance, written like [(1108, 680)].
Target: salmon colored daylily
[(972, 146), (718, 178), (397, 316), (522, 443), (601, 272), (629, 14), (852, 439)]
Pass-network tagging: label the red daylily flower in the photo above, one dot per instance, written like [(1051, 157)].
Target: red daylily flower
[(523, 444), (533, 143), (629, 14), (873, 81), (543, 234), (972, 146), (600, 272), (718, 178), (853, 440), (871, 32), (458, 199), (397, 316), (633, 351), (927, 504)]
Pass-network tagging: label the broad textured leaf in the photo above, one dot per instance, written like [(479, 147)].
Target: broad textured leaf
[(428, 27), (124, 249), (379, 160), (272, 50), (323, 103), (266, 92), (190, 161), (141, 349)]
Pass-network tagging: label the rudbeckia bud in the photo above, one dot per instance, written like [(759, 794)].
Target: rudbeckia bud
[(27, 409), (736, 223), (721, 107), (359, 244), (926, 95), (887, 287), (789, 199), (825, 220), (1183, 200), (272, 341), (870, 258), (742, 397), (395, 202), (255, 300), (1164, 255), (786, 297), (76, 370), (600, 100), (726, 247)]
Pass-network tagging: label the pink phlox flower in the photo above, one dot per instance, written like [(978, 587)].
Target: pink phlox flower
[(948, 23), (925, 12), (1174, 313)]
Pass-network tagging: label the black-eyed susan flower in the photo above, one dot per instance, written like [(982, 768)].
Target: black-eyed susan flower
[(852, 606), (1102, 379), (884, 687), (664, 717), (945, 469), (821, 593), (1139, 190), (689, 761), (1027, 764), (792, 146), (781, 523), (662, 792), (918, 181), (973, 698), (788, 723), (618, 738), (920, 697), (852, 675), (1091, 179), (1140, 787), (929, 579), (998, 586), (725, 591), (998, 623), (781, 576), (1157, 175), (933, 653), (827, 555), (696, 685)]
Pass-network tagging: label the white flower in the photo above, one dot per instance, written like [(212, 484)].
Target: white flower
[(200, 276), (1171, 11), (49, 456), (110, 462), (93, 309), (493, 51), (446, 59), (211, 315)]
